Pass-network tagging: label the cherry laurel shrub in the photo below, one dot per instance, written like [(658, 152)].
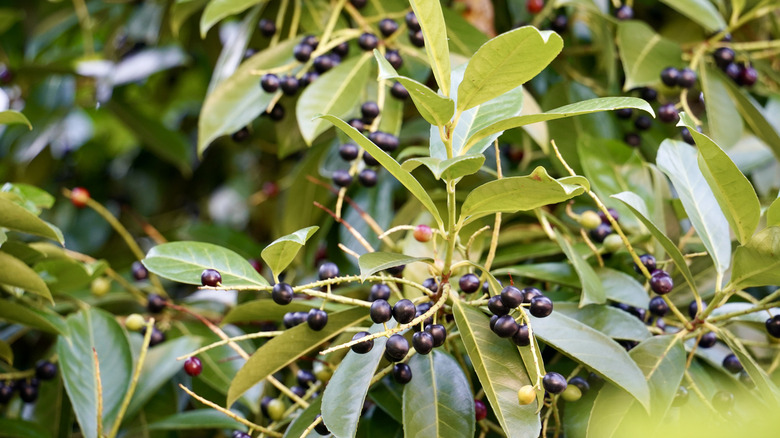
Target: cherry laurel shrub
[(578, 299)]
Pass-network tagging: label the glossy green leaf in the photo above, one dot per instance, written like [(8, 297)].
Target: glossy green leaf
[(332, 93), (6, 353), (433, 107), (574, 109), (520, 193), (622, 287), (234, 48), (63, 275), (198, 419), (465, 39), (15, 428), (506, 62), (662, 361), (755, 115), (702, 12), (644, 53), (595, 350), (615, 323), (724, 123), (389, 398), (373, 262), (282, 251), (757, 263), (10, 117), (764, 384), (558, 273), (735, 195), (15, 217), (638, 207), (303, 420), (343, 398), (391, 165), (592, 289), (30, 194), (97, 330), (284, 349), (185, 261), (17, 274), (216, 10), (434, 31), (238, 100), (500, 371), (447, 169), (773, 213), (439, 403), (159, 367), (17, 313), (170, 145), (678, 161)]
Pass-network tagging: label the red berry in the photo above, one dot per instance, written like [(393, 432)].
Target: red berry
[(423, 233), (534, 6), (79, 197), (192, 366), (480, 410)]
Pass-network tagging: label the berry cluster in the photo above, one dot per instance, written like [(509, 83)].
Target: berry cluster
[(741, 74), (504, 325), (28, 387)]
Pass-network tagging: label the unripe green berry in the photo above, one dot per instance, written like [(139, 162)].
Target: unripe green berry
[(526, 395), (135, 322), (276, 409), (571, 393), (613, 243), (100, 286), (590, 220)]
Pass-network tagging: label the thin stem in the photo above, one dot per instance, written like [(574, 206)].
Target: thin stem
[(233, 339), (133, 383), (279, 21), (296, 19), (311, 427), (346, 225), (592, 247), (452, 233), (230, 414), (334, 16), (99, 385), (497, 222), (697, 391), (687, 108)]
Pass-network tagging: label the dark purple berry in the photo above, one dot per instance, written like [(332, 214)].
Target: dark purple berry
[(369, 111), (773, 326), (348, 151), (210, 277), (667, 113), (554, 383), (404, 311), (368, 41), (157, 337), (364, 346), (687, 78), (155, 303), (342, 178), (522, 337), (560, 23), (497, 306), (399, 91), (45, 370), (649, 261), (305, 378), (416, 38), (289, 85), (357, 124), (282, 293), (529, 293), (430, 284), (648, 94), (505, 326), (267, 27), (439, 333), (643, 123), (396, 348), (693, 308), (580, 383), (748, 76), (367, 177), (600, 233), (632, 139), (623, 13), (341, 50), (269, 83), (317, 319), (302, 52), (541, 306), (624, 113), (394, 58), (669, 76), (380, 311), (411, 21), (511, 297), (661, 282), (321, 428), (723, 57), (469, 283), (658, 307), (732, 364), (369, 160), (139, 271), (422, 342), (379, 291), (358, 4), (328, 270), (388, 26), (402, 373), (493, 320), (277, 112), (708, 340), (732, 71), (323, 63), (28, 392), (6, 393)]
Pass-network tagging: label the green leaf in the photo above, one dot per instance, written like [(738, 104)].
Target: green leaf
[(558, 273), (637, 206), (159, 368), (773, 213), (281, 252), (520, 193), (506, 62), (433, 107), (464, 38), (678, 161), (15, 217), (216, 10), (702, 12), (170, 145), (613, 322), (448, 169), (96, 330), (185, 261), (592, 290), (757, 263), (31, 194), (13, 312), (734, 193), (391, 165), (662, 361), (238, 100), (500, 371), (644, 53), (343, 398), (304, 419), (197, 419), (286, 348), (373, 262), (764, 384), (754, 115), (234, 48), (622, 287), (389, 398), (15, 428), (575, 109), (434, 31), (723, 120), (332, 93), (6, 353), (17, 274), (439, 403), (63, 275), (595, 350), (10, 117)]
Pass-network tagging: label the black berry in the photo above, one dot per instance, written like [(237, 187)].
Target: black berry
[(28, 392), (416, 38), (723, 56), (580, 383), (381, 311), (648, 94), (155, 303), (667, 113), (240, 135), (438, 332), (624, 113), (687, 78), (388, 26), (632, 139), (369, 160), (773, 326), (369, 110), (554, 383), (157, 337), (394, 58), (6, 393), (732, 364), (708, 340), (364, 346), (497, 306), (399, 91), (341, 50), (277, 112), (669, 76), (511, 297), (661, 282), (267, 27), (302, 52), (379, 291), (289, 85), (493, 320), (396, 348), (732, 71), (368, 41), (658, 306), (348, 151), (402, 373), (328, 270), (45, 370), (359, 4), (529, 293), (282, 293), (469, 283), (411, 21), (643, 123), (367, 177), (505, 326), (600, 233), (357, 124), (320, 428), (342, 178), (404, 311), (541, 306), (317, 319), (522, 337), (748, 76), (395, 270), (693, 308), (386, 141), (422, 342), (210, 277), (139, 271), (323, 63), (305, 378), (269, 83), (560, 23), (649, 261)]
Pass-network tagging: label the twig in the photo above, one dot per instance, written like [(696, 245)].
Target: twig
[(349, 228), (245, 422), (99, 385), (133, 383)]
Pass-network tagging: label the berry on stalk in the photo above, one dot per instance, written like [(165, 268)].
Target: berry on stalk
[(192, 366)]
